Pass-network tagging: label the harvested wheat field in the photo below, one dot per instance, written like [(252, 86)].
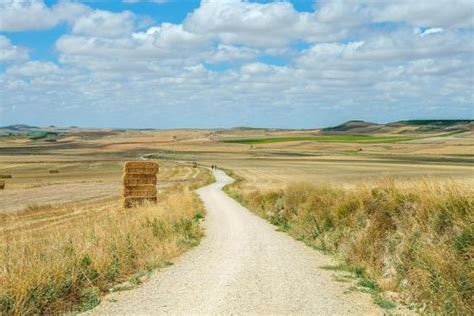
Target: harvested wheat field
[(66, 215), (75, 219)]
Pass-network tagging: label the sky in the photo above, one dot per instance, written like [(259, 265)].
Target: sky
[(227, 63)]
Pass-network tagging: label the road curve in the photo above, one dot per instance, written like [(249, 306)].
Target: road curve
[(242, 266)]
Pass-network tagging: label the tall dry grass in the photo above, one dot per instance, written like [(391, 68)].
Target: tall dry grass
[(69, 268), (413, 238)]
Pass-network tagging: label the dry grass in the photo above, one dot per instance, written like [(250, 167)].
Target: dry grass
[(415, 238), (85, 194), (80, 182), (71, 265)]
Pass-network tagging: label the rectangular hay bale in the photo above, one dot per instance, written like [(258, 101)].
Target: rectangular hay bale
[(147, 190), (2, 185), (129, 202), (131, 166), (138, 179), (54, 171), (5, 176), (139, 182), (141, 171)]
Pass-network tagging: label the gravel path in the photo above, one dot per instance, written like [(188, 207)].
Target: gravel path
[(242, 266)]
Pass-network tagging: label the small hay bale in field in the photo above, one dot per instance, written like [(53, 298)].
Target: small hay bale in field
[(5, 176), (2, 185), (54, 171)]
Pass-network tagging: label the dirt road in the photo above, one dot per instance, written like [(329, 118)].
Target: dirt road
[(243, 266)]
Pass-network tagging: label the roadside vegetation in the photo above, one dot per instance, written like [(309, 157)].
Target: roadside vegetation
[(55, 269), (415, 239), (323, 139)]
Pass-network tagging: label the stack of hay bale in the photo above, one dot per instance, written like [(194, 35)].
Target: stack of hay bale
[(139, 182)]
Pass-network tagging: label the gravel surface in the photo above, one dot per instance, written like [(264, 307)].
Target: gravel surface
[(242, 266)]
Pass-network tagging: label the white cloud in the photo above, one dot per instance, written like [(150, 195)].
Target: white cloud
[(433, 30), (257, 25), (426, 13), (24, 15), (11, 53), (229, 53), (164, 44), (33, 69), (104, 24), (420, 13), (109, 64)]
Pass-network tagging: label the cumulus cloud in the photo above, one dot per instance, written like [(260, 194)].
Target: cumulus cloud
[(11, 53), (142, 51), (25, 15), (426, 13), (255, 24), (421, 13), (33, 69), (101, 23), (231, 56)]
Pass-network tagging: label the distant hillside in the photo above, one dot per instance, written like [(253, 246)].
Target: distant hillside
[(19, 127), (248, 128), (401, 127), (355, 126), (436, 122)]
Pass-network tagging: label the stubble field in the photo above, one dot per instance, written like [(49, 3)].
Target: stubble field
[(58, 189), (89, 163)]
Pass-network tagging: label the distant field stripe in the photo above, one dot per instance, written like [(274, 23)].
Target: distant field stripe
[(323, 139)]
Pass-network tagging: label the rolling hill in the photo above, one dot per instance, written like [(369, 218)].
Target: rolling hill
[(358, 127)]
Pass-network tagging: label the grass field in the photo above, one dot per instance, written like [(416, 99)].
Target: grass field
[(58, 259), (65, 239), (357, 139), (42, 211)]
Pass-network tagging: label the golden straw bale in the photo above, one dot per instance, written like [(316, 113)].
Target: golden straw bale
[(133, 182), (140, 194), (2, 185), (131, 165), (138, 179), (5, 176), (141, 171), (54, 171), (148, 190)]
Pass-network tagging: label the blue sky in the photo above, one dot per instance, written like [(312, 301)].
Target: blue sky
[(224, 63)]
